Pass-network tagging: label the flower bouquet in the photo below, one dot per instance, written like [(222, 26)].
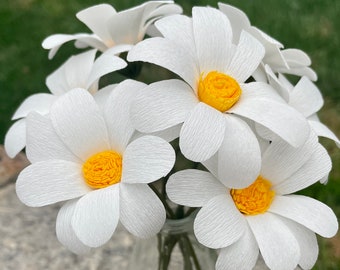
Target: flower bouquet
[(206, 161)]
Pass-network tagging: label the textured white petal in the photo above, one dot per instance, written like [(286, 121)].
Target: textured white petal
[(168, 134), (212, 165), (77, 70), (309, 212), (193, 188), (103, 94), (103, 65), (202, 133), (298, 56), (15, 139), (162, 105), (316, 168), (242, 255), (247, 57), (147, 159), (50, 181), (178, 28), (42, 141), (40, 103), (79, 123), (96, 216), (142, 213), (117, 113), (213, 36), (219, 223), (238, 19), (65, 231), (239, 157), (278, 246), (90, 40), (299, 71), (306, 97), (281, 160), (96, 18), (166, 53), (308, 244), (274, 115), (323, 131), (277, 84)]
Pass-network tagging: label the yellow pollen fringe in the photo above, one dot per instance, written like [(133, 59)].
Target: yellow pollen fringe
[(218, 90), (255, 199), (103, 169)]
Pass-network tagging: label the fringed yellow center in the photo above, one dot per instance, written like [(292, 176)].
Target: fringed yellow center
[(218, 90), (254, 199), (103, 169)]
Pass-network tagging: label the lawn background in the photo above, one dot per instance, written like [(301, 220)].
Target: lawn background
[(310, 25)]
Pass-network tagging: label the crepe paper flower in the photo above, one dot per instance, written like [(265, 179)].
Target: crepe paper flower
[(214, 99), (79, 71), (264, 217), (289, 61), (304, 97), (83, 153), (111, 28)]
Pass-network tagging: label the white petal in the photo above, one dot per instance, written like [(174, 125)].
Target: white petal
[(202, 133), (103, 94), (239, 157), (15, 139), (103, 65), (237, 17), (42, 141), (166, 53), (96, 18), (117, 113), (323, 131), (212, 165), (77, 70), (178, 28), (246, 59), (309, 212), (219, 223), (242, 255), (298, 56), (142, 213), (308, 244), (162, 105), (316, 168), (213, 36), (168, 134), (280, 117), (96, 216), (79, 123), (306, 97), (147, 159), (193, 188), (278, 246), (65, 231), (50, 181), (40, 103), (281, 160)]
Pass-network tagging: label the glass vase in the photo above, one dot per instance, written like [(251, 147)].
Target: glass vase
[(175, 247)]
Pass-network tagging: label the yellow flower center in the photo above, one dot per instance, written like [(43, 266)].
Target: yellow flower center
[(218, 90), (103, 169), (254, 199)]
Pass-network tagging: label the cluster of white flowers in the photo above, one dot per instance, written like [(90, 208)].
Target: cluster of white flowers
[(232, 108)]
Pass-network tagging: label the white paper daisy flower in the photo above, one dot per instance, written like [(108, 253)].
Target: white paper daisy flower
[(264, 217), (289, 61), (215, 97), (83, 153), (79, 71), (111, 28)]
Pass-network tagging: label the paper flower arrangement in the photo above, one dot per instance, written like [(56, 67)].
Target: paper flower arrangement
[(245, 137)]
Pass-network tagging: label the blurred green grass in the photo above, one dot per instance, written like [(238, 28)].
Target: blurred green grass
[(310, 25)]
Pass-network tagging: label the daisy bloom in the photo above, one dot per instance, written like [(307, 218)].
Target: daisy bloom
[(111, 28), (289, 61), (214, 98), (79, 71), (82, 153), (306, 98), (263, 217)]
